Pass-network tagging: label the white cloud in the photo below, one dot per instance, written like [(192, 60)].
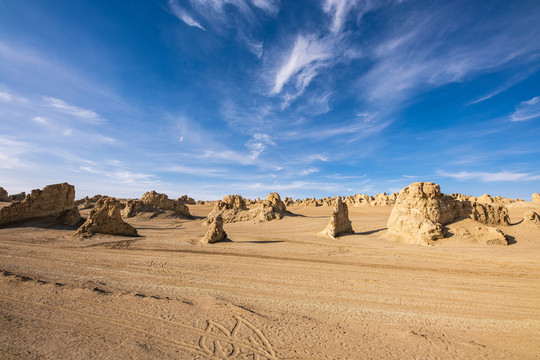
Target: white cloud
[(258, 143), (309, 171), (271, 7), (428, 49), (41, 120), (5, 96), (527, 110), (183, 15), (307, 56), (11, 152), (490, 177), (365, 125), (85, 114)]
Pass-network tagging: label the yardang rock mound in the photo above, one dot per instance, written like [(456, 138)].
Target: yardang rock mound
[(339, 221), (105, 218)]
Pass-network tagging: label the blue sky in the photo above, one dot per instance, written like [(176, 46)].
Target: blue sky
[(306, 98)]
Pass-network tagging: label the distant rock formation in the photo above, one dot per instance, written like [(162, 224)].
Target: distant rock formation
[(233, 209), (4, 197), (531, 218), (105, 218), (535, 197), (200, 202), (421, 210), (56, 200), (215, 231), (382, 199), (339, 221), (87, 202), (154, 202), (18, 197), (187, 200)]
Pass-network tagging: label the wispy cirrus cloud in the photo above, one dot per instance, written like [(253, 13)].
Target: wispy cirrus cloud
[(308, 54), (427, 49), (222, 15), (87, 115), (181, 14), (527, 110), (487, 177)]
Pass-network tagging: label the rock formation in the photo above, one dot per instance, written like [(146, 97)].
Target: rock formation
[(18, 197), (153, 202), (532, 218), (233, 209), (339, 221), (4, 197), (187, 200), (215, 231), (421, 210), (536, 197), (105, 218), (271, 208), (53, 201)]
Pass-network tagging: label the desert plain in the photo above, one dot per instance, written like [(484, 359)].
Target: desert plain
[(274, 290)]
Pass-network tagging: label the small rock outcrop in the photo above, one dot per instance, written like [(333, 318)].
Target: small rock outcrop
[(215, 231), (531, 218), (4, 197), (52, 201), (154, 202), (17, 197), (105, 218), (187, 200), (535, 197), (271, 208), (339, 221), (421, 210)]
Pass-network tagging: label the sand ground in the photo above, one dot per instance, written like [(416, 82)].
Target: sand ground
[(276, 291)]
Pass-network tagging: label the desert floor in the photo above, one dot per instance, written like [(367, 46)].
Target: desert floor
[(276, 291)]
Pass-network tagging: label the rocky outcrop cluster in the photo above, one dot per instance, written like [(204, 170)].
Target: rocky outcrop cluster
[(382, 199), (421, 211), (535, 197), (484, 199), (215, 231), (339, 221), (4, 197), (56, 200), (233, 209), (105, 218), (87, 202), (153, 202)]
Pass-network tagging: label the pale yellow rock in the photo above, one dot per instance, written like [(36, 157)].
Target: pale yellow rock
[(339, 221), (215, 231), (153, 202), (535, 197), (421, 210), (52, 200), (105, 218), (531, 218), (233, 209)]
